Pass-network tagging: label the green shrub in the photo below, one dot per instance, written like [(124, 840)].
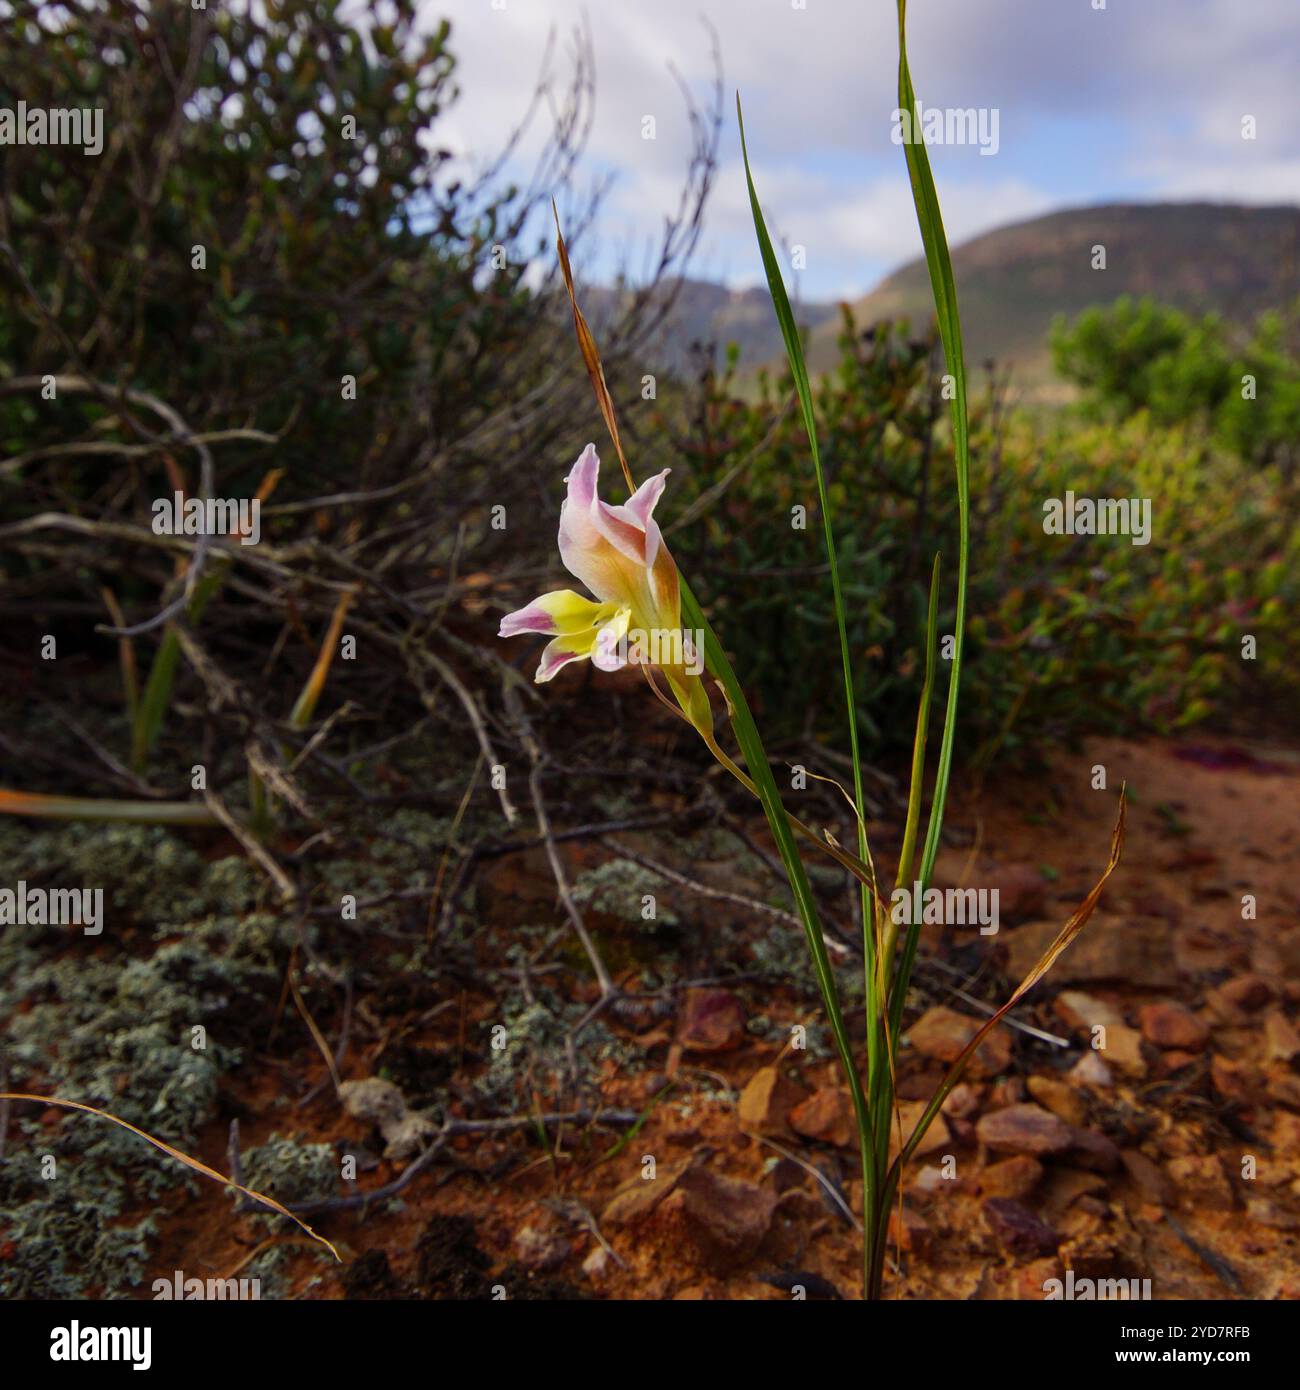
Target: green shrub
[(1137, 355), (1068, 634)]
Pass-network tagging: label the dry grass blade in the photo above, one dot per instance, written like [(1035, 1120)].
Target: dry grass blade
[(591, 356), (305, 705), (43, 807), (316, 1035), (177, 1154), (126, 654)]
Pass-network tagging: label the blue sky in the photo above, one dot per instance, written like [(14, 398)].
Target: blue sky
[(1140, 101)]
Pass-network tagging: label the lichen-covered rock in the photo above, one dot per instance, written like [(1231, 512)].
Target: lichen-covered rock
[(380, 1103)]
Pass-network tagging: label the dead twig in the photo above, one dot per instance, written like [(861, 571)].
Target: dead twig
[(515, 708)]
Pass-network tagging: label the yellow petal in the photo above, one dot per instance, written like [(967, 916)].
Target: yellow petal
[(562, 611), (562, 650)]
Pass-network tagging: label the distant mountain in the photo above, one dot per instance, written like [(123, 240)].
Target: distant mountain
[(709, 316), (1011, 283)]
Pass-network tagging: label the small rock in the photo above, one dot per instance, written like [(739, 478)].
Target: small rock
[(1266, 1213), (1024, 1129), (1012, 1177), (1232, 1080), (1123, 1049), (1094, 1151), (914, 1234), (728, 1218), (1137, 951), (381, 1104), (962, 1101), (540, 1249), (826, 1116), (941, 1033), (1172, 1062), (909, 1114), (1010, 1090), (596, 1263), (1148, 1176), (1282, 1039), (920, 1085), (1286, 1134), (1062, 1100), (1022, 892), (1020, 1282), (1201, 1183), (1169, 1024), (1085, 1011), (1283, 1086), (1287, 946), (714, 1021), (1018, 1229), (767, 1099), (1090, 1070), (1069, 1188), (803, 1281), (929, 1179), (962, 1131), (639, 1196), (787, 1176), (1236, 1000)]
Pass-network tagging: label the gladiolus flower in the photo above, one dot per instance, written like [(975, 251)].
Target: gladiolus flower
[(619, 554)]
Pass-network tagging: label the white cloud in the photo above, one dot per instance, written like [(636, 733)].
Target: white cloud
[(1148, 96)]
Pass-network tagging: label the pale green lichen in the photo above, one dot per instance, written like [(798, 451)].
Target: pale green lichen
[(291, 1171), (619, 888), (144, 1036)]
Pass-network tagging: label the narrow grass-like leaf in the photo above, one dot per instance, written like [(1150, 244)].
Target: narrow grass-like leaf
[(152, 707), (799, 371), (126, 656), (151, 710), (880, 1099), (751, 747), (939, 264), (917, 786)]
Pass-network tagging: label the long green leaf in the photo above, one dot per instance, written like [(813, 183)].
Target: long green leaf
[(152, 707), (939, 264), (760, 769), (799, 371)]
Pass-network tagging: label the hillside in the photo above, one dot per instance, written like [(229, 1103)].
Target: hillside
[(1012, 282), (705, 314)]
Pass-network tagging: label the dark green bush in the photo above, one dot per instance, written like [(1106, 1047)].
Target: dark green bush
[(1139, 355), (1067, 635)]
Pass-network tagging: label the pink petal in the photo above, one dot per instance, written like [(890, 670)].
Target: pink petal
[(644, 500), (532, 618)]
